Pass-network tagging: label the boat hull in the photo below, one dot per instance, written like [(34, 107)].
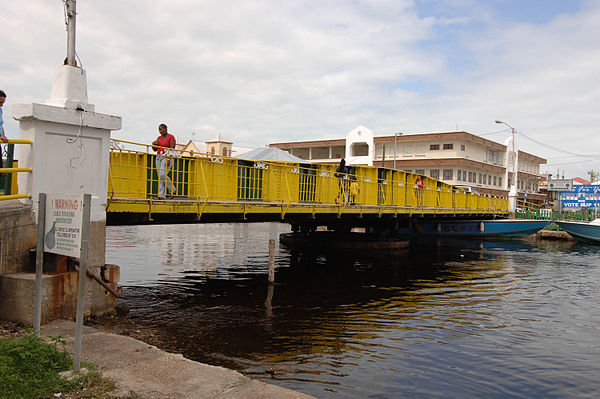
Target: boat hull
[(582, 231), (481, 228)]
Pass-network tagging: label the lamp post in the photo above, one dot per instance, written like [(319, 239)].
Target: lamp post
[(512, 194), (395, 152)]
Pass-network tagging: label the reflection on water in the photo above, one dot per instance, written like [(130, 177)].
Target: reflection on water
[(442, 319)]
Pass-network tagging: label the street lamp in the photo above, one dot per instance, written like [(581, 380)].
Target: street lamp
[(395, 153), (512, 194), (513, 146)]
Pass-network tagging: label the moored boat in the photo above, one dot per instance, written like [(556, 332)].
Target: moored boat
[(583, 231), (480, 228)]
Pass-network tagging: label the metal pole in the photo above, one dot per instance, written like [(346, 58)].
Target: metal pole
[(85, 238), (395, 154), (39, 264), (71, 13)]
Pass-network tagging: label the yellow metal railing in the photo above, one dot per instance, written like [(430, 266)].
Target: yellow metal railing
[(8, 175), (205, 177)]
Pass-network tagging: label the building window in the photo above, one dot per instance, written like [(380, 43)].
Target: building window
[(408, 150), (458, 175), (480, 178), (470, 176), (490, 180), (448, 174), (494, 180), (359, 149), (420, 149), (448, 146), (500, 181), (212, 150), (435, 173), (493, 156), (462, 147), (434, 147), (225, 151), (420, 171)]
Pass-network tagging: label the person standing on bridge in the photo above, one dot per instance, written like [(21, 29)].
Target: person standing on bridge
[(164, 162), (2, 135)]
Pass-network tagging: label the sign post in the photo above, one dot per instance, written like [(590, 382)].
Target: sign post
[(39, 265), (85, 238), (64, 220)]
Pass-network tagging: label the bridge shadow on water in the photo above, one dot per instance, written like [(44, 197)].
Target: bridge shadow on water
[(228, 321)]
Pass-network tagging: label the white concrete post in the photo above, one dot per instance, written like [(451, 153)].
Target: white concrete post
[(70, 151)]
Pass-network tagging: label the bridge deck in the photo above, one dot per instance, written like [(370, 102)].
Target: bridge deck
[(213, 188)]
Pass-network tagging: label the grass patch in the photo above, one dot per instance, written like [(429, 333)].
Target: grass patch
[(29, 368)]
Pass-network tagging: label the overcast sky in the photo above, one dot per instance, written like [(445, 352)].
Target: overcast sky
[(269, 71)]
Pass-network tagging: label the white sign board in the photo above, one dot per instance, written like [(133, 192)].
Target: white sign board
[(64, 213), (560, 184)]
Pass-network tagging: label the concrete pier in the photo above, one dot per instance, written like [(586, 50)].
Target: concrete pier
[(145, 371)]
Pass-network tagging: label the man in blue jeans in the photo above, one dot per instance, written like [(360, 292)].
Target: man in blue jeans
[(163, 162)]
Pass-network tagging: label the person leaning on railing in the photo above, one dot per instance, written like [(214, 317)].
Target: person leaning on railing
[(3, 137), (163, 162)]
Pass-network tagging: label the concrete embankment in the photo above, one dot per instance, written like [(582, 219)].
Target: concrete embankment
[(145, 371)]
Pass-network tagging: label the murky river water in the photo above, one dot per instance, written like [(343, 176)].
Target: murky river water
[(506, 319)]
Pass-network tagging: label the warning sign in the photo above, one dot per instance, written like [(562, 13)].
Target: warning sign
[(64, 213)]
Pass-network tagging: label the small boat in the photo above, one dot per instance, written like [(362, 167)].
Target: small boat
[(480, 228), (583, 231)]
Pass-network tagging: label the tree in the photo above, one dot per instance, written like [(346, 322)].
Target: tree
[(593, 175)]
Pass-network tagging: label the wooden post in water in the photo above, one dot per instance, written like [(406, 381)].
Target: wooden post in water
[(271, 262), (271, 279)]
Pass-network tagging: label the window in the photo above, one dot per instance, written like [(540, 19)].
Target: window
[(420, 171), (420, 149), (493, 156), (480, 178), (212, 150), (408, 150), (448, 174), (490, 180), (462, 147), (500, 181), (225, 151), (495, 180), (459, 175), (359, 149), (448, 146), (435, 173), (470, 176), (434, 147)]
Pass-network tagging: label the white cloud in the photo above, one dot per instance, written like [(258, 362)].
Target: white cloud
[(264, 71)]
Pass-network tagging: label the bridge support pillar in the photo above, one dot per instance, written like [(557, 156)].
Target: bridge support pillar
[(69, 155)]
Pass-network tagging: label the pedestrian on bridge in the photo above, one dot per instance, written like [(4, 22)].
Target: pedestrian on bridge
[(2, 134), (163, 161)]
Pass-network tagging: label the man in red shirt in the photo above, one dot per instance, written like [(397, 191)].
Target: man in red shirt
[(163, 161)]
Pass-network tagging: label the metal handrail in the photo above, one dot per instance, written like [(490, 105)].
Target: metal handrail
[(7, 177)]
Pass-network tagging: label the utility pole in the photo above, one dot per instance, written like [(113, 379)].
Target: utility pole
[(70, 14)]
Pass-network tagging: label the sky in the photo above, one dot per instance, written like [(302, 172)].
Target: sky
[(259, 72)]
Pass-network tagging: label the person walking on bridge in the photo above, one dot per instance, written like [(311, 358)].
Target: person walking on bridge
[(2, 134), (164, 162)]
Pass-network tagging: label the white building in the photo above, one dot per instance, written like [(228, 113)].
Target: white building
[(457, 158)]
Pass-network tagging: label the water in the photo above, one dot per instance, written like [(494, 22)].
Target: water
[(451, 319)]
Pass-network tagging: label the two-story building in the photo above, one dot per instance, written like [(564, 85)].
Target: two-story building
[(457, 158)]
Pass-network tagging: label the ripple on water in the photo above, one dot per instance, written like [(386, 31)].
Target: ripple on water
[(460, 319)]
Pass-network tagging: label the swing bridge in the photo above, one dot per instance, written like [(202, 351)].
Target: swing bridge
[(212, 188)]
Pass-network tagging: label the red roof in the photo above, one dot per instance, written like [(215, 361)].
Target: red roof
[(579, 180)]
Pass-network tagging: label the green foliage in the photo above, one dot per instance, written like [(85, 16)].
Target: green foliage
[(29, 368)]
